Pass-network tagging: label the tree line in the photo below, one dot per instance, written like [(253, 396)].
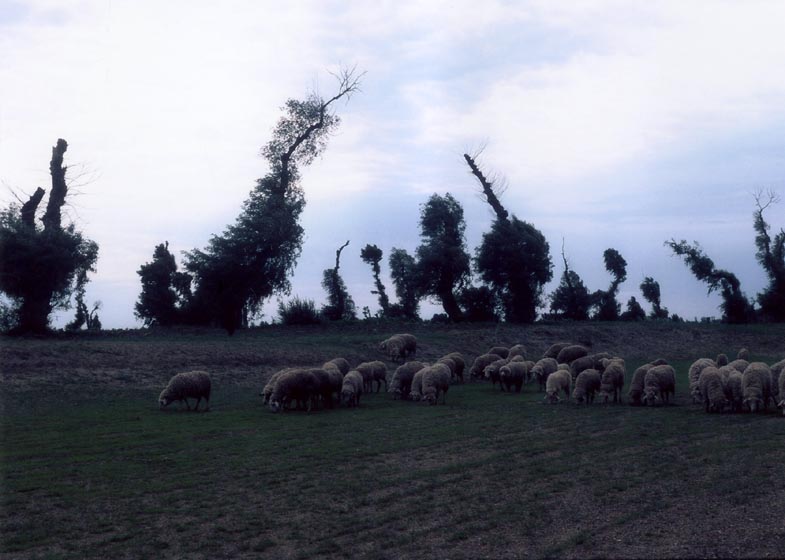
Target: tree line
[(44, 264)]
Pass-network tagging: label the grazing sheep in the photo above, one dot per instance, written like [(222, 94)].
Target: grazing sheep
[(743, 354), (373, 371), (776, 370), (565, 367), (694, 373), (298, 385), (581, 364), (513, 374), (435, 380), (517, 350), (529, 373), (571, 353), (658, 384), (460, 364), (781, 387), (554, 349), (329, 383), (613, 374), (450, 363), (502, 351), (721, 360), (739, 365), (491, 372), (712, 391), (586, 384), (598, 358), (756, 386), (636, 385), (542, 369), (733, 390), (416, 388), (399, 346), (341, 363), (559, 380), (270, 385), (185, 385), (401, 383), (352, 388), (478, 367)]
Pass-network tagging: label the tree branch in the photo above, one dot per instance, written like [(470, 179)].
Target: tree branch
[(487, 188)]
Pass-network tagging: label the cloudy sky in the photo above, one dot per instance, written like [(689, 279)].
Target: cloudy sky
[(615, 126)]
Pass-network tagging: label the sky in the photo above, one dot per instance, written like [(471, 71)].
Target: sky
[(614, 124)]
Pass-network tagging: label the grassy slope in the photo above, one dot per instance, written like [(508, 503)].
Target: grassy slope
[(91, 468)]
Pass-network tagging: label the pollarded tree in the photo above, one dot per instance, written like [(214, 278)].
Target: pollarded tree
[(254, 258), (165, 290), (572, 299), (650, 289), (41, 267), (605, 303), (513, 258), (340, 305), (372, 255), (771, 256), (634, 311), (405, 277), (735, 306), (442, 258)]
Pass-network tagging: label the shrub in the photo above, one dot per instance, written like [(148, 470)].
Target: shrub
[(298, 312)]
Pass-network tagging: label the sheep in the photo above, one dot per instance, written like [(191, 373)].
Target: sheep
[(341, 363), (712, 391), (435, 380), (581, 364), (586, 384), (658, 384), (733, 390), (491, 372), (776, 371), (542, 369), (743, 354), (529, 373), (460, 364), (513, 374), (781, 387), (598, 358), (721, 360), (502, 351), (329, 383), (373, 371), (401, 383), (399, 346), (613, 374), (571, 353), (554, 349), (478, 367), (694, 373), (565, 367), (416, 388), (517, 350), (756, 386), (299, 385), (739, 365), (352, 388), (636, 385), (557, 381), (517, 358), (185, 385), (270, 385), (451, 364)]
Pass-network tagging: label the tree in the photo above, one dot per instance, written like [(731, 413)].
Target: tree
[(165, 290), (634, 311), (41, 267), (735, 306), (478, 304), (608, 308), (85, 317), (572, 299), (372, 255), (650, 289), (513, 258), (771, 256), (340, 304), (405, 277), (253, 258), (442, 258)]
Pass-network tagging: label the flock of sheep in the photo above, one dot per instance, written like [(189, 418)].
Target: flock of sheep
[(565, 370)]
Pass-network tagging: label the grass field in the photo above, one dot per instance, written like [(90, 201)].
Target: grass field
[(90, 468)]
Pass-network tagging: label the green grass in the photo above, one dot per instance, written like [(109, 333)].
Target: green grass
[(98, 471)]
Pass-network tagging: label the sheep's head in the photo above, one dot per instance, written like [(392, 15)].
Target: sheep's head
[(696, 394), (415, 396), (605, 396), (718, 405), (164, 399), (635, 397), (276, 406), (650, 397), (396, 393), (579, 398), (552, 396), (430, 397), (754, 404)]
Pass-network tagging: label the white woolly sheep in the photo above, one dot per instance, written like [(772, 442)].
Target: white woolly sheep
[(450, 363), (581, 364), (743, 354), (554, 349), (559, 380), (571, 353), (416, 389), (478, 367), (659, 384), (401, 383), (517, 350), (491, 372), (502, 351), (586, 384), (435, 380), (187, 385), (756, 386), (542, 369), (352, 388), (399, 346), (781, 387), (341, 363), (299, 385), (776, 370), (373, 371), (739, 365), (529, 374), (513, 374), (733, 390), (267, 390), (329, 384), (598, 358), (721, 360), (460, 364), (694, 373), (613, 374), (712, 391), (636, 384)]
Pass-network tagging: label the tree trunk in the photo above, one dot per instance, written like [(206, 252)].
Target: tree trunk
[(487, 189), (451, 306), (52, 216), (29, 208)]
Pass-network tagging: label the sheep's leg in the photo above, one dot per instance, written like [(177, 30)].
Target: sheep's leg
[(187, 406), (198, 400)]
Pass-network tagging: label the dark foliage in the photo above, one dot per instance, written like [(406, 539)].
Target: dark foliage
[(405, 277), (607, 308), (634, 311), (478, 304), (372, 255), (650, 289), (298, 312), (165, 290), (85, 317), (771, 256), (340, 305)]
